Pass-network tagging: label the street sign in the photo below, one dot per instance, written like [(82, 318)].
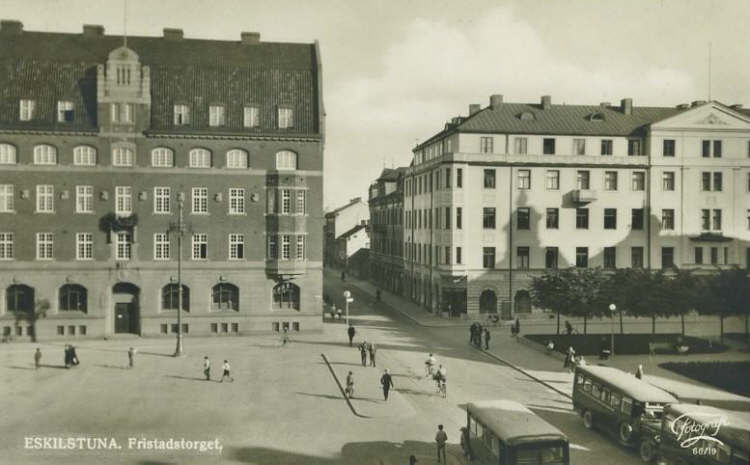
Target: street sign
[(350, 299)]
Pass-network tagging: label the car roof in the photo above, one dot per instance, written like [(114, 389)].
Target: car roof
[(629, 385)]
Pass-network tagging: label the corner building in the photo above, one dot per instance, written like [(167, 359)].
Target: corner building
[(103, 142), (513, 189)]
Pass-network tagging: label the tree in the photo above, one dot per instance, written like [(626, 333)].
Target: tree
[(547, 291), (724, 294), (682, 292), (31, 317)]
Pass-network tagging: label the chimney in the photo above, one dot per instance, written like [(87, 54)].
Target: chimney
[(495, 101), (546, 102), (736, 106), (250, 38), (696, 103), (626, 106), (172, 34), (474, 108), (11, 26), (93, 30)]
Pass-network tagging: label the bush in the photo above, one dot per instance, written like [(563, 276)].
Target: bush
[(625, 344), (730, 376)]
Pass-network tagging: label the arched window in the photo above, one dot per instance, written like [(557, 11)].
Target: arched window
[(523, 301), (8, 154), (238, 159), (200, 158), (84, 155), (286, 295), (45, 154), (488, 302), (73, 297), (225, 296), (162, 157), (170, 297), (123, 155), (286, 160), (20, 298)]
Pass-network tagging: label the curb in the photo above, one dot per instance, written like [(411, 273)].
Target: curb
[(338, 383), (540, 348)]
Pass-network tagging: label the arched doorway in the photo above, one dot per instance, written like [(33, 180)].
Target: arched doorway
[(522, 302), (125, 297), (19, 299), (488, 302), (286, 295)]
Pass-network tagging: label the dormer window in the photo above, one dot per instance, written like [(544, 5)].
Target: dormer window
[(527, 116), (181, 115), (122, 112), (596, 117), (26, 109), (286, 118), (216, 115), (65, 113)]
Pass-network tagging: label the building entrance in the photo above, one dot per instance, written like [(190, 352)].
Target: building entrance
[(127, 317)]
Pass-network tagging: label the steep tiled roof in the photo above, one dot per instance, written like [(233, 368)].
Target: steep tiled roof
[(388, 174), (353, 201), (48, 67)]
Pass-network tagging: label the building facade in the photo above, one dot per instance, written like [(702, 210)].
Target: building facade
[(113, 152), (513, 189), (386, 196), (339, 232)]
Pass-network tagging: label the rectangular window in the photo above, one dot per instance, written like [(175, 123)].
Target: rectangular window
[(161, 199), (26, 109), (123, 245), (553, 180), (65, 113), (705, 219), (285, 118), (459, 219), (582, 180), (460, 177), (636, 219), (488, 218), (123, 156), (45, 198), (610, 257), (639, 180), (300, 247), (200, 246), (606, 148), (550, 258), (251, 116), (582, 257), (668, 148), (579, 146), (636, 257), (523, 258), (634, 147), (181, 115), (698, 255), (7, 197), (216, 115), (273, 248), (667, 219), (458, 255), (610, 218), (553, 218), (84, 199), (161, 246), (84, 246), (236, 201), (548, 146), (705, 181), (582, 218), (667, 181), (286, 247), (718, 185), (447, 217), (122, 112), (707, 147), (610, 180), (489, 179), (6, 246), (524, 179), (123, 200), (447, 178), (286, 202), (488, 257), (523, 218), (667, 257), (200, 200), (716, 220), (486, 144), (236, 246), (714, 255), (447, 255)]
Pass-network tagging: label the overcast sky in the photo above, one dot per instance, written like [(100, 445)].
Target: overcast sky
[(394, 71)]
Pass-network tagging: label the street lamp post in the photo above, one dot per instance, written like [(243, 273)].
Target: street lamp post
[(179, 228), (347, 299), (612, 309)]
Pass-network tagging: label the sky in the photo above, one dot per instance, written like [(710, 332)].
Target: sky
[(394, 71)]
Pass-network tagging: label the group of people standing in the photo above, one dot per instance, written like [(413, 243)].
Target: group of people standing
[(476, 333), (367, 348)]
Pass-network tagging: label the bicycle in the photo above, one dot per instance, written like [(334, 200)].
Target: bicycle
[(429, 370)]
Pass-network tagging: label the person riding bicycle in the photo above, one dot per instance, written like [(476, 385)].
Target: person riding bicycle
[(441, 378), (430, 363)]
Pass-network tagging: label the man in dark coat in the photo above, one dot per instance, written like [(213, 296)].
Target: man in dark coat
[(387, 382), (363, 352), (486, 339), (351, 332), (371, 348)]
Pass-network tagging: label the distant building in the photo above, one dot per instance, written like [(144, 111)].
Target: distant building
[(101, 142), (387, 237), (345, 232), (515, 188)]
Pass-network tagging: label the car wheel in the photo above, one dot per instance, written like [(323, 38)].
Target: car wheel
[(588, 419), (626, 432), (647, 451)]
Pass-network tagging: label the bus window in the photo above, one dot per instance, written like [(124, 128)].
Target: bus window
[(579, 378), (552, 454), (614, 401), (627, 405), (527, 456), (606, 395), (587, 385), (480, 430), (472, 426), (595, 390)]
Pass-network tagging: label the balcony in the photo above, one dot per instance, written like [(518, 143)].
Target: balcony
[(583, 195), (286, 267)]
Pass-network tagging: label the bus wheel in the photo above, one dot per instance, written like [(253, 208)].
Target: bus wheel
[(588, 419), (626, 432), (648, 451)]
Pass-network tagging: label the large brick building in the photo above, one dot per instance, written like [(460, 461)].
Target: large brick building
[(102, 141)]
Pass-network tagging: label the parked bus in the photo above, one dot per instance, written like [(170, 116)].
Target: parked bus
[(504, 432), (618, 402), (700, 435)]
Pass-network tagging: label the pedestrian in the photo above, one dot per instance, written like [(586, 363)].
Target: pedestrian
[(387, 382), (518, 326), (568, 327), (441, 438), (37, 357), (131, 357), (350, 385), (226, 374), (603, 349), (569, 357), (639, 372), (339, 312), (351, 332), (472, 329), (466, 444), (207, 368), (486, 339), (371, 348), (450, 311), (68, 361), (343, 275), (363, 353), (412, 460), (285, 336), (73, 356)]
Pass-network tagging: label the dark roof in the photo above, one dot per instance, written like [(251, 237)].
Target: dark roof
[(389, 174), (688, 392), (47, 67), (513, 422), (734, 427), (351, 202), (631, 386), (348, 233)]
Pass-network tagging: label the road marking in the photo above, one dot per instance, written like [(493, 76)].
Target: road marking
[(579, 447)]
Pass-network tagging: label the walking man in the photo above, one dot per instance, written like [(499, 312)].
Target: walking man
[(486, 339), (131, 357), (226, 373), (207, 368), (387, 382), (350, 385), (351, 331), (441, 438), (371, 348), (363, 352), (37, 357)]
